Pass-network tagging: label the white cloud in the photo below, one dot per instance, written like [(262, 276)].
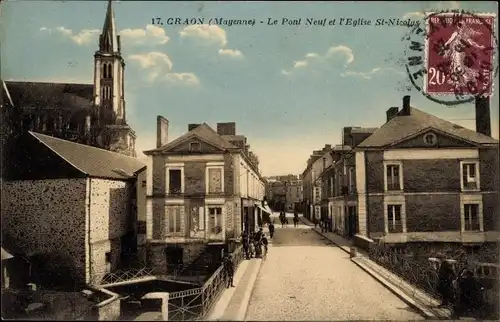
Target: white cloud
[(365, 75), (314, 58), (152, 35), (158, 67), (184, 78), (234, 53), (83, 37), (432, 6), (211, 35), (208, 33)]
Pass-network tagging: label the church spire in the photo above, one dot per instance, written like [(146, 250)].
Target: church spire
[(109, 39)]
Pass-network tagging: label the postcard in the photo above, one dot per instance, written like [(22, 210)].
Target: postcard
[(249, 160)]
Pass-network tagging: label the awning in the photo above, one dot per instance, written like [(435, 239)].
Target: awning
[(265, 209), (6, 255)]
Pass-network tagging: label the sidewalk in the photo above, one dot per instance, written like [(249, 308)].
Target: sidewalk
[(234, 301), (419, 300)]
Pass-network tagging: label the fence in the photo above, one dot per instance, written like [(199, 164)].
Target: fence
[(420, 277), (195, 304)]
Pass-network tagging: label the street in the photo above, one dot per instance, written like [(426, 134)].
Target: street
[(304, 277)]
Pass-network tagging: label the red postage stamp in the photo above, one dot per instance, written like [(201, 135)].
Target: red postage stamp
[(459, 52)]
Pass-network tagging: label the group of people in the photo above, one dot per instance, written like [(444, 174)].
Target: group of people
[(284, 219), (462, 291), (255, 243)]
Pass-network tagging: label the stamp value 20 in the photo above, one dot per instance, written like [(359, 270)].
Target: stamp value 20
[(459, 54)]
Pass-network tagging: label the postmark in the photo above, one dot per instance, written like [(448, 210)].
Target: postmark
[(450, 57)]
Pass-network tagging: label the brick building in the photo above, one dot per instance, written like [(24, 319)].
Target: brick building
[(429, 184), (70, 209), (204, 187)]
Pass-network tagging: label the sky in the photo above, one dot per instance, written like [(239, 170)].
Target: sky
[(289, 88)]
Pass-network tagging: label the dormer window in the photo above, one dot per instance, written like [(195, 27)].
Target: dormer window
[(194, 147), (430, 139)]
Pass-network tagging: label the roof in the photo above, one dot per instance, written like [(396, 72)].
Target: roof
[(363, 129), (403, 126), (92, 161), (50, 95), (109, 27), (202, 131), (6, 255)]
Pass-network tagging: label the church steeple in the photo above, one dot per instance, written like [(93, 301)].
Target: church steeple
[(109, 70), (109, 41)]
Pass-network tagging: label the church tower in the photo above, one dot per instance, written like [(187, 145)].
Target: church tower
[(109, 90)]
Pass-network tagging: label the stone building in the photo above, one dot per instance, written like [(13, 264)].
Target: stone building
[(70, 209), (92, 114), (318, 162), (284, 193), (203, 188), (428, 184), (339, 183)]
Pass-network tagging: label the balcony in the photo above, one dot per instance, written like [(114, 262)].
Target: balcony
[(395, 227)]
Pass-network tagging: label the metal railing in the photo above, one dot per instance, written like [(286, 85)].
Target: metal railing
[(195, 304), (419, 278), (126, 275)]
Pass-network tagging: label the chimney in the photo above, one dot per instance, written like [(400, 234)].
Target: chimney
[(328, 146), (391, 112), (161, 131), (192, 126), (406, 110), (228, 128), (483, 119)]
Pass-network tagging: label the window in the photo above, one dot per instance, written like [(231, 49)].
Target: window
[(215, 219), (394, 218), (175, 181), (352, 185), (470, 175), (471, 217), (393, 177), (430, 139), (215, 180), (194, 147), (174, 220), (108, 257)]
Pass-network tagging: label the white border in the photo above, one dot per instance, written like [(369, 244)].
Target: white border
[(426, 47)]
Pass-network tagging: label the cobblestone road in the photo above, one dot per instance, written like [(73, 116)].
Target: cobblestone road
[(306, 278)]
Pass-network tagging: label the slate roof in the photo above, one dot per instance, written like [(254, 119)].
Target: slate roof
[(92, 161), (203, 131), (402, 126), (50, 95)]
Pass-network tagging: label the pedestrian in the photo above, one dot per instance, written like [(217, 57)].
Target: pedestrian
[(265, 243), (469, 301), (258, 242), (271, 230), (246, 246), (229, 269), (445, 284), (315, 222)]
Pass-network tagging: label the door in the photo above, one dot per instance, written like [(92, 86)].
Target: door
[(353, 224)]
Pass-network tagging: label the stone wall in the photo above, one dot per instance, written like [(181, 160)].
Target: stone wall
[(110, 219), (47, 217)]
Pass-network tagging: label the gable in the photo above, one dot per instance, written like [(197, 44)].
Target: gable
[(184, 147), (441, 140)]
